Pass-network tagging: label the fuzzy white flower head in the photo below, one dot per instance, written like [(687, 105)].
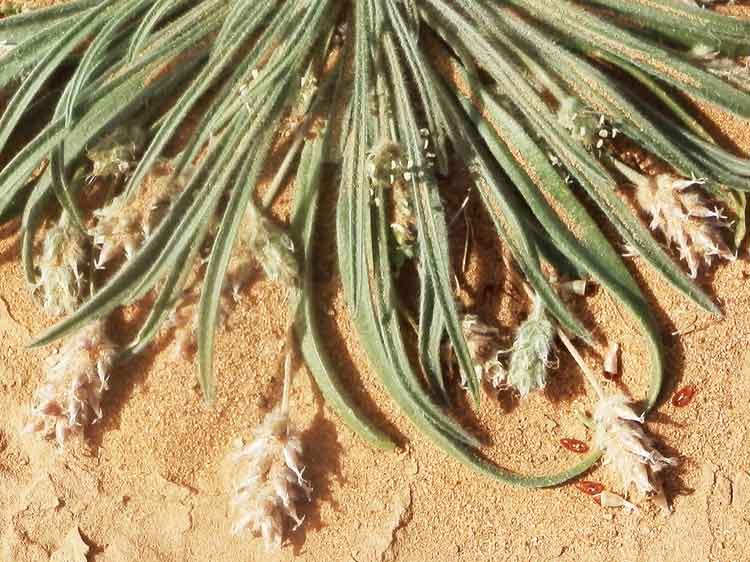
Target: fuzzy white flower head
[(75, 379), (270, 481), (60, 277), (681, 213), (261, 245), (628, 449), (532, 349), (125, 222), (118, 230)]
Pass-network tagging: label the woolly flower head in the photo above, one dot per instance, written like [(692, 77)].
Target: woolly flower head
[(124, 223), (118, 229), (116, 154), (75, 379), (628, 449), (682, 214), (60, 279), (483, 344), (269, 483), (261, 244), (530, 356), (387, 168), (403, 222)]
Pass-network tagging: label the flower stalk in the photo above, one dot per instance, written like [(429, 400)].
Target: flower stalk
[(270, 484)]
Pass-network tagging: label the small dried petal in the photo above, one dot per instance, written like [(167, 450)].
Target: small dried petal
[(612, 361), (684, 396), (608, 499)]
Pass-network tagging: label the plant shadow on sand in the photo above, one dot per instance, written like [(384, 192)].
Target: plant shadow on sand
[(322, 454), (128, 376), (10, 235)]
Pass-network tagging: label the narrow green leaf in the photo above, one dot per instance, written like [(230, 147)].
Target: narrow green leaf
[(304, 228)]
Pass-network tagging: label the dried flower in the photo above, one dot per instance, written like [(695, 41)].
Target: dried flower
[(60, 277), (270, 482), (531, 351), (261, 244), (76, 377), (628, 449), (403, 223), (608, 499), (384, 162), (118, 230), (116, 154), (124, 223), (483, 343), (386, 168), (681, 213)]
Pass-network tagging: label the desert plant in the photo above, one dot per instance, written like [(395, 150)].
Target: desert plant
[(552, 108)]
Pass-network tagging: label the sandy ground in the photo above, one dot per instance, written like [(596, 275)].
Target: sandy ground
[(149, 485)]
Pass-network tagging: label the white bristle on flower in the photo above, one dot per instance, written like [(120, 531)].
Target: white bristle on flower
[(118, 230), (681, 213), (531, 352), (122, 226), (60, 262), (75, 379), (628, 449), (261, 246), (270, 482)]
